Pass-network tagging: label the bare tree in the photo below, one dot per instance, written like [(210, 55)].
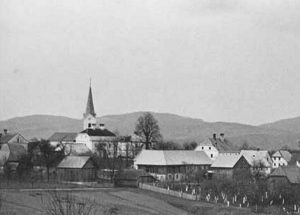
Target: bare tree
[(147, 127), (58, 203)]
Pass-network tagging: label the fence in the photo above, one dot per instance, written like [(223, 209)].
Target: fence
[(168, 192)]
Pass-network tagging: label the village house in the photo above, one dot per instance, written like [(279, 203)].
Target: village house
[(76, 168), (281, 158), (284, 176), (259, 160), (227, 164), (8, 138), (59, 139), (11, 154), (215, 145), (172, 165)]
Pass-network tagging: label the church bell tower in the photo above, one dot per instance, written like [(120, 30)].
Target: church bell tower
[(89, 117)]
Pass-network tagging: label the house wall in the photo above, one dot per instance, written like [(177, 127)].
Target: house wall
[(278, 161), (79, 175), (171, 173), (210, 150)]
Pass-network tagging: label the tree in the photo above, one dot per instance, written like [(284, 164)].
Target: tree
[(147, 127), (49, 155), (190, 145), (168, 145)]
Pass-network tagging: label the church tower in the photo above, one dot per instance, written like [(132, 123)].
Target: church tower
[(89, 117)]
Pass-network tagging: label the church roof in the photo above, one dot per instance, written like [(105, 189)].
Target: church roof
[(98, 132), (90, 104)]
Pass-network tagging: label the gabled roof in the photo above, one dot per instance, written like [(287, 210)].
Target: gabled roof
[(283, 154), (75, 162), (172, 157), (221, 145), (16, 151), (7, 137), (98, 132), (292, 173), (63, 136), (226, 160), (256, 157)]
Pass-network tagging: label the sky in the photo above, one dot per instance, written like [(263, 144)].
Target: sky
[(218, 60)]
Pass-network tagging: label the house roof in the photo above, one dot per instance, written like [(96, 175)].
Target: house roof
[(16, 151), (75, 162), (295, 158), (283, 154), (63, 136), (172, 157), (255, 156), (98, 132), (221, 145), (226, 160), (7, 137), (292, 173)]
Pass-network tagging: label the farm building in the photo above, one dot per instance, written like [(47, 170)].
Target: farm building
[(226, 164), (132, 177), (281, 158), (284, 175), (76, 168), (172, 165), (259, 160)]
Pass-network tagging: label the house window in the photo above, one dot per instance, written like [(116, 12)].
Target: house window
[(209, 148), (89, 125), (211, 155), (278, 158), (202, 147)]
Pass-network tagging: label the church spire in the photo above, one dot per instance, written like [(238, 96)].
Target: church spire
[(90, 103)]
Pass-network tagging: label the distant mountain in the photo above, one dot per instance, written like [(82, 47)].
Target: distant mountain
[(291, 125), (173, 127)]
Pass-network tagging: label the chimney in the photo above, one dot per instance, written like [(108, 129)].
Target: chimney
[(222, 137), (5, 131), (214, 136), (102, 127)]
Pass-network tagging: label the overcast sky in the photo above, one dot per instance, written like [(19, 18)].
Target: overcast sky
[(219, 60)]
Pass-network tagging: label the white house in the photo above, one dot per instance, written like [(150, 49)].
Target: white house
[(281, 158), (215, 145)]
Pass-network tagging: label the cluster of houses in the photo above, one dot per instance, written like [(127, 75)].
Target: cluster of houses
[(215, 156)]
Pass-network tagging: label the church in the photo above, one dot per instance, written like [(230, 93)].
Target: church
[(93, 133)]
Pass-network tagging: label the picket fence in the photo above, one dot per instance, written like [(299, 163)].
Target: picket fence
[(168, 192)]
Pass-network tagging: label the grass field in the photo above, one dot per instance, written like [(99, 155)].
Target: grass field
[(118, 201)]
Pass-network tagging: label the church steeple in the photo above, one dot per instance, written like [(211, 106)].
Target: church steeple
[(89, 117), (90, 104)]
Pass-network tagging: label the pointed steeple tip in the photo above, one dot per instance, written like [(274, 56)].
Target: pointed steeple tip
[(90, 103)]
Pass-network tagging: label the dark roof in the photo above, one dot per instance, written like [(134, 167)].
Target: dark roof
[(292, 173), (63, 136), (295, 158), (98, 132), (16, 151), (7, 137), (90, 104), (131, 174)]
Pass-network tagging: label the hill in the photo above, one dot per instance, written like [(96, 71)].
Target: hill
[(173, 127)]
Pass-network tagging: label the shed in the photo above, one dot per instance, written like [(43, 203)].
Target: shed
[(132, 177), (76, 168)]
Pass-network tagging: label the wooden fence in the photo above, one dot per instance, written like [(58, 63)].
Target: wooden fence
[(168, 192)]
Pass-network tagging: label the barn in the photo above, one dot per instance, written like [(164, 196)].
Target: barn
[(76, 168)]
